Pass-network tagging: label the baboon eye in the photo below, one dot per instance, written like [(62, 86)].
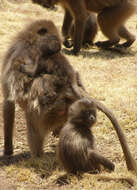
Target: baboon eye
[(42, 31)]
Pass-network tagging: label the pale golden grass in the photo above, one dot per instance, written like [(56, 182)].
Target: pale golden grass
[(107, 76)]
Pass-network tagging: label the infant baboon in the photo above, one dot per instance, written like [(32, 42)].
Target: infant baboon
[(91, 29), (34, 53), (76, 143), (46, 109)]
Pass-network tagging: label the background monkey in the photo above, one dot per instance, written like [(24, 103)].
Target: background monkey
[(89, 34), (30, 49), (112, 16), (75, 150)]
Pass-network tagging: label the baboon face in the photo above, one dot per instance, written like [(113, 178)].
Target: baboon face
[(48, 38), (44, 35), (39, 41), (83, 112)]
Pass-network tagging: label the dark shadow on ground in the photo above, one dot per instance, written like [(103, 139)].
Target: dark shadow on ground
[(110, 53), (8, 160), (48, 162)]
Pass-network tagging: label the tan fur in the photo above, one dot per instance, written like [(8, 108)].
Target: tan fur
[(112, 15)]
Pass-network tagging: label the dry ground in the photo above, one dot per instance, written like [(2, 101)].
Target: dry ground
[(108, 76)]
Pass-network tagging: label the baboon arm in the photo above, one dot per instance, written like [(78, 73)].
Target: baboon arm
[(95, 157), (26, 65), (66, 24), (80, 19), (79, 80)]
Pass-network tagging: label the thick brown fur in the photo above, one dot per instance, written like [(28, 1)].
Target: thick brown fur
[(76, 141), (33, 56), (40, 80), (75, 150), (111, 16)]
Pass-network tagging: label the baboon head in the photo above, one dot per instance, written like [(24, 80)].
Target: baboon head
[(83, 112), (38, 41), (43, 35)]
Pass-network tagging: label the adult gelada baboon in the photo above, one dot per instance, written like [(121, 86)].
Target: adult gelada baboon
[(75, 150), (112, 15), (91, 29), (36, 52), (26, 61)]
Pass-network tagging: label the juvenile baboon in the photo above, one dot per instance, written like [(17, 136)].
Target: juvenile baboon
[(76, 141), (31, 88), (75, 150), (112, 15)]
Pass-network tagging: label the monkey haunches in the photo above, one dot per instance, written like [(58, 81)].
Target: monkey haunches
[(111, 18)]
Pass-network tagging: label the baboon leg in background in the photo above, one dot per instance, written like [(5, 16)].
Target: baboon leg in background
[(111, 20), (124, 33), (66, 24), (80, 23)]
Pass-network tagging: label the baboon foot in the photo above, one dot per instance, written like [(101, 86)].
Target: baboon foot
[(105, 44), (111, 167), (8, 152), (126, 44), (68, 43)]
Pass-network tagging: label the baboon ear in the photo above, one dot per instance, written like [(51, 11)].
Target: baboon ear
[(42, 31)]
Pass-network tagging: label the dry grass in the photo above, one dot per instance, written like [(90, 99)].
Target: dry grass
[(108, 76)]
